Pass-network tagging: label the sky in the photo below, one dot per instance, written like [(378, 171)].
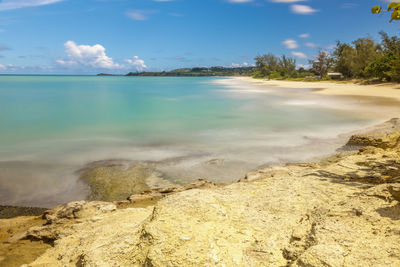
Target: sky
[(119, 36)]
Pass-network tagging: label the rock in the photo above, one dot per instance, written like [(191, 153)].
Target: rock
[(266, 173), (322, 255), (115, 180), (283, 220), (76, 210), (382, 136), (159, 193), (331, 214), (379, 191), (394, 190), (145, 197), (108, 241)]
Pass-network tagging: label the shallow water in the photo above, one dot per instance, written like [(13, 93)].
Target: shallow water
[(50, 126)]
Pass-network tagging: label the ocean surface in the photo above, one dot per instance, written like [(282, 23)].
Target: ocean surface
[(215, 128)]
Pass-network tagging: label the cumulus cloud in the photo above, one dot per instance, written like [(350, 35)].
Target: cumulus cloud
[(290, 44), (88, 56), (137, 63), (296, 8), (303, 9), (299, 55), (15, 4), (304, 35)]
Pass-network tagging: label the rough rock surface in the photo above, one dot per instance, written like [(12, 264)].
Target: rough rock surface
[(386, 135), (343, 211)]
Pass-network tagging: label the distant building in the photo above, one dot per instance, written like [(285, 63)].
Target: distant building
[(335, 75)]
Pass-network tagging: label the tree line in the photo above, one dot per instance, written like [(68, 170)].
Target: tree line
[(363, 58)]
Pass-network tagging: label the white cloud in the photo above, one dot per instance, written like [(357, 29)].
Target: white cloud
[(138, 14), (303, 9), (299, 55), (15, 4), (238, 65), (137, 63), (2, 67), (290, 44), (88, 56), (304, 35), (312, 45)]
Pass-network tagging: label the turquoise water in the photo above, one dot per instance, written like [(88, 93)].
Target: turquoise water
[(50, 126)]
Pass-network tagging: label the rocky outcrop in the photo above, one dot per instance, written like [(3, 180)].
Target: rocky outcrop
[(394, 190), (386, 135), (156, 194), (342, 211)]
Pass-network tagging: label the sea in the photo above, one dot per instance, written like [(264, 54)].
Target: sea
[(213, 128)]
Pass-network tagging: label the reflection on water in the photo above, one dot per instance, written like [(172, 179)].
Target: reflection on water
[(190, 127)]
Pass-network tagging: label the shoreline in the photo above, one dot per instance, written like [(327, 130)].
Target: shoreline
[(319, 212), (332, 88), (110, 164), (319, 203)]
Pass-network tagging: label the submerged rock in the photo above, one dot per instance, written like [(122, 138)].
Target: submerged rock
[(114, 180)]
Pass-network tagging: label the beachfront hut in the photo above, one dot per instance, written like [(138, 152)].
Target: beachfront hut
[(335, 75)]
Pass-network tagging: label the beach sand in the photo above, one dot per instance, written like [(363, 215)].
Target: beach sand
[(387, 90), (376, 103)]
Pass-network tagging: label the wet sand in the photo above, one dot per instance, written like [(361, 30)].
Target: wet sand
[(378, 102)]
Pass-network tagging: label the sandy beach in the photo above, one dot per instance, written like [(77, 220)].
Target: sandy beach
[(389, 90)]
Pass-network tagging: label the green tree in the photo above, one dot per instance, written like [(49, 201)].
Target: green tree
[(322, 64), (381, 68), (266, 64), (352, 59), (387, 66), (275, 67), (367, 51), (287, 66), (344, 56)]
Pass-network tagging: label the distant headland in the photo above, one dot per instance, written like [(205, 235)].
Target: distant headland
[(193, 72)]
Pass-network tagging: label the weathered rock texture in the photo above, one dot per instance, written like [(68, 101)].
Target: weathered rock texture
[(343, 211), (386, 135), (113, 180)]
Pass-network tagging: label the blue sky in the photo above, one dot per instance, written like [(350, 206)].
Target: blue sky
[(118, 36)]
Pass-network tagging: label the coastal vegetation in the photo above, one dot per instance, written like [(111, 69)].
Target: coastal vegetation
[(364, 58), (199, 72)]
